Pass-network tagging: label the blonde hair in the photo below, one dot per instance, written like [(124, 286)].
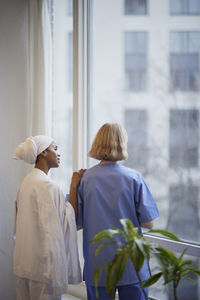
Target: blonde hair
[(110, 143)]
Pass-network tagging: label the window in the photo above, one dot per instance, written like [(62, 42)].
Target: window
[(62, 91), (136, 126), (69, 7), (184, 7), (127, 47), (184, 60), (184, 135), (135, 7), (136, 61)]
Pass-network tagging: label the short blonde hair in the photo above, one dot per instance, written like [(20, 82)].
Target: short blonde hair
[(110, 143)]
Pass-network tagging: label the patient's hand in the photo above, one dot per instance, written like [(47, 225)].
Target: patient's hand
[(76, 177)]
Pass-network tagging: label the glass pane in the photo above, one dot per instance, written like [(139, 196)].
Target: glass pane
[(135, 7), (184, 7), (62, 89), (184, 60), (134, 53)]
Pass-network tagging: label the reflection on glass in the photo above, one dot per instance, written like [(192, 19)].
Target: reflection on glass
[(146, 76), (62, 89)]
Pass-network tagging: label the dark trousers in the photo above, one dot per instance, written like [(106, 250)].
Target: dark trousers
[(126, 292)]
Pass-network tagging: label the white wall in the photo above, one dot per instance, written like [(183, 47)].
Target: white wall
[(13, 125)]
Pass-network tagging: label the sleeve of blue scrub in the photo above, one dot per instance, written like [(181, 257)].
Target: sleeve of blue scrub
[(79, 220), (145, 204)]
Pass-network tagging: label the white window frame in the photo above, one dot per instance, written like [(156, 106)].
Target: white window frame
[(81, 60), (80, 90)]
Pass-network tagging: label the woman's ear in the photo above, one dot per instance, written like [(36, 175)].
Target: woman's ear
[(43, 153)]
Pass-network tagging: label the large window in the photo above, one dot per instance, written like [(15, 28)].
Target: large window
[(123, 68), (135, 7), (184, 7), (136, 61), (185, 60)]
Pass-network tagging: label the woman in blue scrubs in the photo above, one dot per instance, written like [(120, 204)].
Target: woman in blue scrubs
[(109, 192)]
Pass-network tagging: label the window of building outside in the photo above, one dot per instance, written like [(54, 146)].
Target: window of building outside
[(69, 7), (136, 122), (135, 7), (184, 7), (185, 60), (136, 60), (184, 126)]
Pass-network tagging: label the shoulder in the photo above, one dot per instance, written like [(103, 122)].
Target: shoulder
[(50, 185), (130, 173), (42, 181), (91, 171)]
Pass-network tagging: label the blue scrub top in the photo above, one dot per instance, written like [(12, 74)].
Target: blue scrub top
[(108, 193)]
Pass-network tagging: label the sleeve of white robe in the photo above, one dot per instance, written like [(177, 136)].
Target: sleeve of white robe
[(70, 237)]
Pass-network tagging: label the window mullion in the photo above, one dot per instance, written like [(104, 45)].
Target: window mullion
[(79, 84)]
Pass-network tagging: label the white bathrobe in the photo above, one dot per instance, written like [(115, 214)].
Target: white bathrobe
[(46, 245)]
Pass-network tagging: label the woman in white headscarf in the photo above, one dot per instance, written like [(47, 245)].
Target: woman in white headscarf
[(45, 252)]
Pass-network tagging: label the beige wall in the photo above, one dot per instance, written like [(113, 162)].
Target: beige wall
[(13, 125)]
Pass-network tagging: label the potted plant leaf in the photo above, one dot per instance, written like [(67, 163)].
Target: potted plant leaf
[(136, 249)]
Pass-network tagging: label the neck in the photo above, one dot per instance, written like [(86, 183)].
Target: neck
[(107, 162), (42, 166)]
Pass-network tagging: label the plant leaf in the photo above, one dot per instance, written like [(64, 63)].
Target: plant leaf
[(181, 256), (153, 279), (192, 270), (189, 279), (115, 271), (128, 227), (168, 257), (140, 260), (102, 245), (136, 256), (185, 262), (165, 233), (196, 272), (105, 235), (143, 246), (97, 275)]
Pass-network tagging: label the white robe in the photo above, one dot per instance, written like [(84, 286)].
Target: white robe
[(46, 242)]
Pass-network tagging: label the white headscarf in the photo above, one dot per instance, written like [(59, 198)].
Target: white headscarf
[(32, 147)]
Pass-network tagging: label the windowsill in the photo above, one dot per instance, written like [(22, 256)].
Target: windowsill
[(193, 249)]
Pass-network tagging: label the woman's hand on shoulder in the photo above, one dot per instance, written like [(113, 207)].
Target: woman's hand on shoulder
[(76, 177)]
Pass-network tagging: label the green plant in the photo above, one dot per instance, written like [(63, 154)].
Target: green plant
[(172, 268), (136, 249)]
